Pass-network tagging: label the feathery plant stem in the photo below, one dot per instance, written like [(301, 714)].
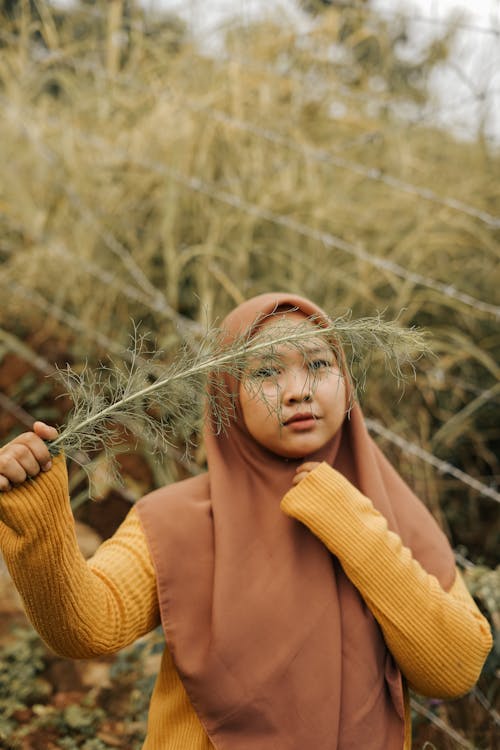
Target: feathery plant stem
[(209, 364), (124, 395)]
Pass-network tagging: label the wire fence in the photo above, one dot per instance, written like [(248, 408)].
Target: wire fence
[(443, 467), (329, 240), (101, 340), (196, 184), (327, 157), (309, 152), (149, 295), (60, 314)]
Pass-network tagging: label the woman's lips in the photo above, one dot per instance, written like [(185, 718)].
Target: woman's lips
[(299, 422)]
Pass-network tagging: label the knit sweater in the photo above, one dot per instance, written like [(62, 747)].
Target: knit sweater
[(88, 608)]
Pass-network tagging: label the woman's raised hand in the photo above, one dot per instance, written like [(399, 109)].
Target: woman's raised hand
[(303, 470), (26, 456)]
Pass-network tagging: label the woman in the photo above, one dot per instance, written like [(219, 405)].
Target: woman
[(300, 583)]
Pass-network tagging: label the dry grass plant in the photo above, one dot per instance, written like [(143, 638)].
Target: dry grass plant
[(142, 183), (100, 219)]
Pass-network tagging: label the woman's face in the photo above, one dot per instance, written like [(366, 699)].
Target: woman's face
[(293, 407)]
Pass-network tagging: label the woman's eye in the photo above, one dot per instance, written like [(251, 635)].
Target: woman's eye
[(319, 364), (266, 372)]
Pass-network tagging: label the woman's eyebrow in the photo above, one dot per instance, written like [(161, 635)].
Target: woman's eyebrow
[(315, 350), (306, 350)]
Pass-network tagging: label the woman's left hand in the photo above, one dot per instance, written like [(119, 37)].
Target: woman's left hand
[(303, 470)]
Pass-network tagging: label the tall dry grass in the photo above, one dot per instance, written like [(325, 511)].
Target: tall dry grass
[(144, 179)]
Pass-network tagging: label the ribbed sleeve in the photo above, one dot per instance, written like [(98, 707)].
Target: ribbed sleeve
[(86, 608), (80, 608), (439, 639)]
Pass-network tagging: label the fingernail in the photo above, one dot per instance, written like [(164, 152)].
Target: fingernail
[(47, 466)]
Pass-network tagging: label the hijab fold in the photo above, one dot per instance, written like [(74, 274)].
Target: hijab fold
[(275, 647)]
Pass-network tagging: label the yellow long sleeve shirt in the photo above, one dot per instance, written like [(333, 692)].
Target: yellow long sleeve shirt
[(88, 608)]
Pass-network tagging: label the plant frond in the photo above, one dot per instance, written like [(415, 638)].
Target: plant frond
[(164, 403)]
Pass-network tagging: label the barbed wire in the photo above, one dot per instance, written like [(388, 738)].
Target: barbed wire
[(14, 344), (487, 394), (375, 174), (41, 364), (326, 157), (196, 184), (15, 410), (75, 324), (486, 704), (116, 247), (88, 66), (304, 79), (156, 303), (396, 106), (458, 418), (427, 113), (189, 327), (419, 115), (329, 240), (61, 315), (443, 467), (309, 152)]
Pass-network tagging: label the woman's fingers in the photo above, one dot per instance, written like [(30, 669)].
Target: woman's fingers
[(25, 456), (22, 463), (5, 485), (308, 466), (303, 470), (299, 476), (45, 431)]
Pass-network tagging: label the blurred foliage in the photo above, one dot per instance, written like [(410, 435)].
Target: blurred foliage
[(484, 585), (21, 663), (34, 713), (151, 177)]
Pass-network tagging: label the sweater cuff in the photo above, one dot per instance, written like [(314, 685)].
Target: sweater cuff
[(333, 509), (35, 506)]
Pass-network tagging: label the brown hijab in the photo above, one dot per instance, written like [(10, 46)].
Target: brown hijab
[(274, 645)]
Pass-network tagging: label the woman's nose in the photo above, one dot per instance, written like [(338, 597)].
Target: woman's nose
[(297, 389)]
